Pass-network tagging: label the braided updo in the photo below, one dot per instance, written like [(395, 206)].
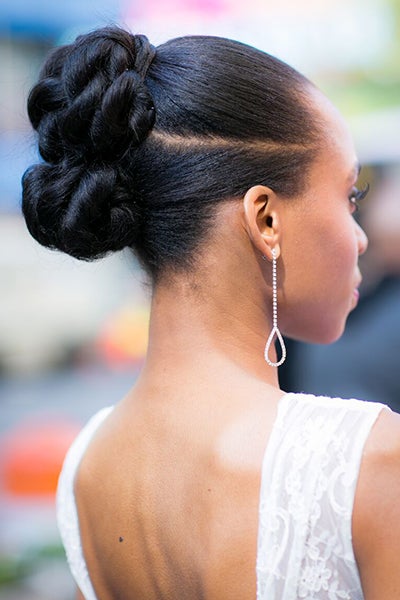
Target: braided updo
[(89, 107), (138, 145)]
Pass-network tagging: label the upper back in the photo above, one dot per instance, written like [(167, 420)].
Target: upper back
[(168, 510), (177, 515)]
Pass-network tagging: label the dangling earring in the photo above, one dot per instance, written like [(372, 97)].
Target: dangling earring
[(275, 330)]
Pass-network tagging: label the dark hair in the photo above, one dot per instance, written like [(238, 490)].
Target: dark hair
[(138, 144)]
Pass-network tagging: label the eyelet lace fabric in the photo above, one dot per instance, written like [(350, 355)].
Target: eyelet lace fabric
[(67, 514), (308, 483)]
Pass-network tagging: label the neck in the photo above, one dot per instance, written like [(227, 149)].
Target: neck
[(205, 328)]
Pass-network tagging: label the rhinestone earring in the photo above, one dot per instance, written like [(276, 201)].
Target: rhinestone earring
[(275, 330)]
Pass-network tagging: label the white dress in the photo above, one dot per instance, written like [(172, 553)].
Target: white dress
[(308, 481)]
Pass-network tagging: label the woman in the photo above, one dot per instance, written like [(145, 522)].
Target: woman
[(234, 181)]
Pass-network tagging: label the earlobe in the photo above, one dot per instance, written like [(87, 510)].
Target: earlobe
[(262, 220)]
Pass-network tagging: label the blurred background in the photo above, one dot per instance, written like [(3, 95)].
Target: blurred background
[(73, 335)]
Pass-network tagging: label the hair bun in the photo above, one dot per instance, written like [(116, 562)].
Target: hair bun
[(89, 107), (85, 213), (125, 117), (91, 97)]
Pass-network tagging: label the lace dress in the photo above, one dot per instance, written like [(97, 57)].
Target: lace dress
[(308, 482)]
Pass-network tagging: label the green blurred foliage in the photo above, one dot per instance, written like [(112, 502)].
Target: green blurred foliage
[(15, 568), (377, 88)]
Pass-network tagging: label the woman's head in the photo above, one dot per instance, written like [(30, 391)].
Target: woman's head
[(140, 145), (318, 238)]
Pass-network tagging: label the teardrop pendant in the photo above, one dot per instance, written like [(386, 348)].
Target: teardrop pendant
[(275, 332)]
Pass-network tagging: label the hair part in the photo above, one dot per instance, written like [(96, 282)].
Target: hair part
[(139, 145)]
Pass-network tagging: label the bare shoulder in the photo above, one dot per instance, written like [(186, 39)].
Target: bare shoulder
[(376, 516), (385, 435)]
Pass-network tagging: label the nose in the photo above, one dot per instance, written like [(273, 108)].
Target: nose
[(362, 239)]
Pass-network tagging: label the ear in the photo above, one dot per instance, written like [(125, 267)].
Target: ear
[(262, 220)]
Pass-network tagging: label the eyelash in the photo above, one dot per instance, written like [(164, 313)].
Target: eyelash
[(357, 195)]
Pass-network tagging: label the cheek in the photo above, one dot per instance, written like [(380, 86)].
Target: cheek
[(334, 242), (317, 279), (310, 254), (344, 249)]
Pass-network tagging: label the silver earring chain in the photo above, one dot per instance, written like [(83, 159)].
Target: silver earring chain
[(274, 291), (275, 329)]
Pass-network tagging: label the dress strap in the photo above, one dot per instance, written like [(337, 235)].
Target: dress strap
[(67, 514)]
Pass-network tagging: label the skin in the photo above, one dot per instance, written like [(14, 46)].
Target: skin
[(178, 461)]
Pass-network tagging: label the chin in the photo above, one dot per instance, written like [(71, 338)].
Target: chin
[(330, 338), (324, 335)]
